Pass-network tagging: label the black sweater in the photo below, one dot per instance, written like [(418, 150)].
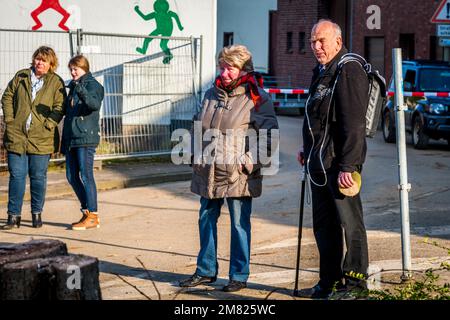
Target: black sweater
[(342, 128)]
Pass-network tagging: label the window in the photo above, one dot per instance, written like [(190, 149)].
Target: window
[(436, 51), (301, 42), (408, 46), (434, 80), (289, 43), (228, 39), (409, 83)]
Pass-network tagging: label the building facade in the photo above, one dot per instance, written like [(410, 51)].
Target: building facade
[(371, 28), (197, 17)]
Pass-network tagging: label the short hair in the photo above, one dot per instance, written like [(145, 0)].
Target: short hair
[(47, 54), (336, 27), (236, 56), (79, 61)]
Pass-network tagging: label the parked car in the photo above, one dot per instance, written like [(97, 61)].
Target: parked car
[(425, 117)]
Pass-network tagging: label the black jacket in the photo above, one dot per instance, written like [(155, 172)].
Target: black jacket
[(343, 130), (81, 123)]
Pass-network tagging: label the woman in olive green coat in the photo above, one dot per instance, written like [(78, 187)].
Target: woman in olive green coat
[(33, 105)]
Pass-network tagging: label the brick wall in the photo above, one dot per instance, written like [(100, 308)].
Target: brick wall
[(296, 16), (401, 16), (404, 16)]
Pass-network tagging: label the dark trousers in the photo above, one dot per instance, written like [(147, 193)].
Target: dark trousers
[(336, 216)]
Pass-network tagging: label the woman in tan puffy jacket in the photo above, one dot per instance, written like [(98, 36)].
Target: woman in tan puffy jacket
[(238, 125)]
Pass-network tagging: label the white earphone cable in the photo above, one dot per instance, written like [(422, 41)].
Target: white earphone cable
[(323, 140)]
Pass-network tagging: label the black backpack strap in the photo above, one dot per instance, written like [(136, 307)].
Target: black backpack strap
[(348, 57)]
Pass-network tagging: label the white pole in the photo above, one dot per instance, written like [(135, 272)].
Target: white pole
[(403, 186)]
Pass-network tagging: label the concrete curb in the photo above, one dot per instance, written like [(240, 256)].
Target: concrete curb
[(59, 190)]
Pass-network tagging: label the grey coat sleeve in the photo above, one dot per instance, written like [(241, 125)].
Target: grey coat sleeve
[(265, 123)]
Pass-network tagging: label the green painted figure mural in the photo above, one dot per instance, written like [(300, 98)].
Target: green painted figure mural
[(164, 26)]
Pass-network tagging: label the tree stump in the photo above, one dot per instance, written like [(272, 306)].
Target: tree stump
[(31, 250), (43, 270), (71, 277), (77, 278)]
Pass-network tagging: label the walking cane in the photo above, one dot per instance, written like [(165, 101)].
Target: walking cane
[(300, 227)]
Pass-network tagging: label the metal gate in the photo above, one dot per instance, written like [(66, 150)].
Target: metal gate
[(147, 96)]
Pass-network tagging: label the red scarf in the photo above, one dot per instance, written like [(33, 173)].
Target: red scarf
[(252, 79)]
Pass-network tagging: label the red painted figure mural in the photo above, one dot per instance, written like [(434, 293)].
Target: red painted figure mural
[(50, 4)]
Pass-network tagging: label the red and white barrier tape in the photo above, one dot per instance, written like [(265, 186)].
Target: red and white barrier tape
[(287, 91), (390, 93), (422, 94)]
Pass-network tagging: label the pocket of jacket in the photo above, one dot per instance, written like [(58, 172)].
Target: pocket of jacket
[(39, 131), (78, 129), (226, 173), (10, 130)]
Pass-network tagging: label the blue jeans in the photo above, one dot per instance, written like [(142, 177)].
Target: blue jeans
[(80, 174), (240, 210), (19, 166)]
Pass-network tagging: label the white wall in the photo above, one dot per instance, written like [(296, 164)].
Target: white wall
[(198, 17), (249, 21)]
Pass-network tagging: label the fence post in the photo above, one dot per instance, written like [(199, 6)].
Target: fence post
[(72, 53), (200, 84), (404, 187), (79, 40), (194, 68)]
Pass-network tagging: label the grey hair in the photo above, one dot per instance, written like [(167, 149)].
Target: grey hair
[(336, 28)]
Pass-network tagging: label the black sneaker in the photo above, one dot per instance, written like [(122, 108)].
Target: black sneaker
[(316, 292), (196, 280), (319, 292), (352, 290), (234, 285)]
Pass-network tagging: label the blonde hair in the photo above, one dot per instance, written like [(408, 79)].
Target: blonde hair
[(236, 56), (80, 62), (47, 54)]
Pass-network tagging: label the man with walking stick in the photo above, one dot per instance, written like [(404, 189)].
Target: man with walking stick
[(334, 152)]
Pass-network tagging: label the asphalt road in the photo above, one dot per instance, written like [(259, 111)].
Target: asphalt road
[(149, 236)]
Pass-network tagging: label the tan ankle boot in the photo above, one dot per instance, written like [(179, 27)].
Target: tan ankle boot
[(84, 216), (89, 221)]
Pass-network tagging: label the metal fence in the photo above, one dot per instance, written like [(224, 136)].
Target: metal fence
[(146, 96)]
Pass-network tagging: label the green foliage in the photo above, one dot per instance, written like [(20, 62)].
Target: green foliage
[(427, 288), (445, 265)]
